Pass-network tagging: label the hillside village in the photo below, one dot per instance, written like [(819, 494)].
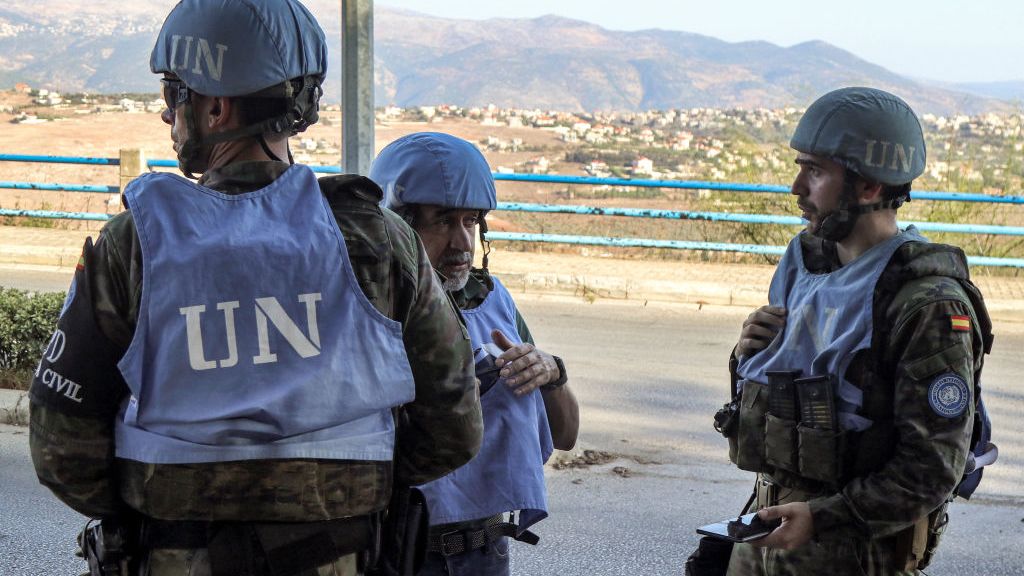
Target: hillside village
[(966, 153)]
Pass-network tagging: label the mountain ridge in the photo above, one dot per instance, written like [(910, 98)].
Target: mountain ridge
[(548, 62)]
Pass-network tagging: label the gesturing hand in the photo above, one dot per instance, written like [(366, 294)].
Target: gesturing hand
[(523, 366)]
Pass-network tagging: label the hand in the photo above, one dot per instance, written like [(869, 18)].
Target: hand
[(796, 530), (523, 366), (759, 329)]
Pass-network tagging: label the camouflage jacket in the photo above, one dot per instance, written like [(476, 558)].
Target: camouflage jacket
[(72, 441), (911, 459), (475, 292)]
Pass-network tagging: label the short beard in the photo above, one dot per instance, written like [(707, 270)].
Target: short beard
[(457, 281)]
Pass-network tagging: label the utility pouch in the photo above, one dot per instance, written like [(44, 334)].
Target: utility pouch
[(820, 453), (937, 522), (727, 419), (750, 441)]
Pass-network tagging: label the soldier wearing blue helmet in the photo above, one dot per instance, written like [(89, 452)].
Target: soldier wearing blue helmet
[(855, 391), (443, 187), (248, 362)]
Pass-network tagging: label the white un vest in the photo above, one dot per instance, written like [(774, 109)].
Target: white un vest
[(828, 320), (254, 339), (508, 472)]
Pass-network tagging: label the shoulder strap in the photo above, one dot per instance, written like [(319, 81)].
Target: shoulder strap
[(941, 260)]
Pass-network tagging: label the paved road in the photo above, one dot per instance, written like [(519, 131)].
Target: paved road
[(648, 379)]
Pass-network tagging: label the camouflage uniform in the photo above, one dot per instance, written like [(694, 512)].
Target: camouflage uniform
[(907, 464), (72, 443), (475, 292)]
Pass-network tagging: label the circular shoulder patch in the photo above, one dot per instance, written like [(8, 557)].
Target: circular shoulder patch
[(948, 395)]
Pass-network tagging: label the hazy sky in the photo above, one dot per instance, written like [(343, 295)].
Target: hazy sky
[(946, 40)]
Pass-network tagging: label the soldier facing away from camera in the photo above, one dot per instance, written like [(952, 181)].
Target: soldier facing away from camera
[(222, 389)]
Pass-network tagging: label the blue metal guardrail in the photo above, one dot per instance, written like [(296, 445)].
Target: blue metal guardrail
[(586, 210)]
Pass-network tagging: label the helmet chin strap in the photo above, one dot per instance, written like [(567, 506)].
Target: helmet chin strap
[(191, 147), (484, 242), (839, 223), (304, 97)]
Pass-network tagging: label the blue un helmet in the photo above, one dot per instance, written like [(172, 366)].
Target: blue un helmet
[(873, 134), (436, 169), (235, 48)]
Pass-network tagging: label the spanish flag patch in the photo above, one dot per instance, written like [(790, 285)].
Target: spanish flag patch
[(960, 323)]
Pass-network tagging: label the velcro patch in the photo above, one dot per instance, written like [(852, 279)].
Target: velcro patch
[(948, 395), (960, 323)]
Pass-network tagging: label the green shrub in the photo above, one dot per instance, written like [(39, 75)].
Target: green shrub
[(27, 321)]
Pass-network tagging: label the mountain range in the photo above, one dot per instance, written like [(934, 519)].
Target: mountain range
[(548, 62)]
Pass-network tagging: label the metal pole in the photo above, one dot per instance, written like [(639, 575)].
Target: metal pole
[(356, 86)]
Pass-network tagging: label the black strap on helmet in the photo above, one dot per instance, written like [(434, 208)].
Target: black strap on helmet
[(303, 103), (303, 96), (484, 242), (838, 224)]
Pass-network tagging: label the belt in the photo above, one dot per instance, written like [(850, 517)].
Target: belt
[(458, 538), (769, 493), (279, 544)]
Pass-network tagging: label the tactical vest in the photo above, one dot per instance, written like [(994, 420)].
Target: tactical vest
[(508, 472), (898, 288), (828, 321), (254, 340)]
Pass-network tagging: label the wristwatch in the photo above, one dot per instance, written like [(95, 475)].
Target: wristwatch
[(562, 377)]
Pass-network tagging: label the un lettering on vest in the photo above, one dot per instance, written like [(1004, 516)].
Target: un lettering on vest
[(203, 54), (53, 379), (267, 311), (807, 324), (878, 153)]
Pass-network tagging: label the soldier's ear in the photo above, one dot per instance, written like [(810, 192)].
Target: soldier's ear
[(868, 192), (221, 112)]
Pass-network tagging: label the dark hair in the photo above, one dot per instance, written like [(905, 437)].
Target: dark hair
[(890, 192), (899, 193), (254, 110)]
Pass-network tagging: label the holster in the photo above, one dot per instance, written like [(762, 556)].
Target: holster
[(109, 547), (920, 542), (403, 536)]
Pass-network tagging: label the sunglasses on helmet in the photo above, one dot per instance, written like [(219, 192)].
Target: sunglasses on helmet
[(175, 92)]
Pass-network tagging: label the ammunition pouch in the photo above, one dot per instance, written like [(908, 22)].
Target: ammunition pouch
[(789, 425)]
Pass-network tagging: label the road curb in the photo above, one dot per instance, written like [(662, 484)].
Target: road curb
[(592, 287)]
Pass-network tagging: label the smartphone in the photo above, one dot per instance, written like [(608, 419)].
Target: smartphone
[(741, 529), (487, 373)]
